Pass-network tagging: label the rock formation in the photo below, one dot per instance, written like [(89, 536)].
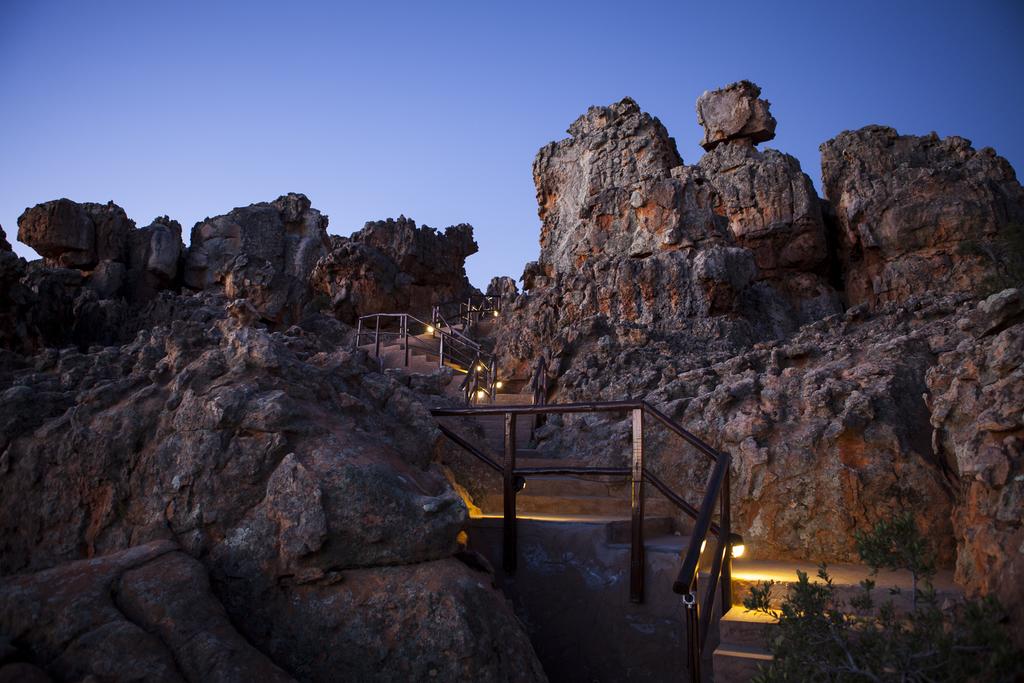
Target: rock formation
[(393, 266), (216, 472), (734, 112), (914, 212), (197, 469), (296, 473), (262, 252), (687, 286)]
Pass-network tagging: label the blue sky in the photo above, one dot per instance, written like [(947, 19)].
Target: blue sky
[(435, 110)]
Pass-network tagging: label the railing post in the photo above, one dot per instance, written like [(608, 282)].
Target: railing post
[(508, 524), (376, 338), (405, 334), (359, 331), (440, 355), (692, 617), (636, 547), (725, 525)]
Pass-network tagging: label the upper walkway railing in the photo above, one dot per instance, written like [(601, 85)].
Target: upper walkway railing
[(697, 617), (452, 348)]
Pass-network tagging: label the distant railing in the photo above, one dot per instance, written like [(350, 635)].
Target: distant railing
[(697, 617), (452, 348), (469, 311)]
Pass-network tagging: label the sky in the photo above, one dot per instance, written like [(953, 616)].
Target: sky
[(435, 110)]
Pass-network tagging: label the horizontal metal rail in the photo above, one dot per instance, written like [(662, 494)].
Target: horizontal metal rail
[(596, 471), (530, 409), (698, 617)]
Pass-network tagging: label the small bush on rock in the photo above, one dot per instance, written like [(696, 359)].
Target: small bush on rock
[(820, 637)]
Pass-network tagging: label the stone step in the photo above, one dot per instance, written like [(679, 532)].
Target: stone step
[(746, 629), (738, 663)]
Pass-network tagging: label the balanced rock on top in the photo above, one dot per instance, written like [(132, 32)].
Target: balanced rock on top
[(734, 112)]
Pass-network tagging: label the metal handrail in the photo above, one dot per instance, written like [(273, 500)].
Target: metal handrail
[(459, 349), (698, 620)]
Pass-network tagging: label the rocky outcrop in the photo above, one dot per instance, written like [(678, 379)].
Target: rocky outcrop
[(734, 112), (917, 211), (16, 331), (976, 391), (263, 252), (279, 461), (69, 234), (722, 302), (711, 257), (503, 287), (145, 613), (393, 266)]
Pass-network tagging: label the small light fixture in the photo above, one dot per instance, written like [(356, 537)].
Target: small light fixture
[(519, 483), (430, 329), (498, 384), (479, 368), (703, 544), (481, 393), (736, 541), (495, 314)]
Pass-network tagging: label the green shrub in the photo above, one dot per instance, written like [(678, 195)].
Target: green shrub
[(820, 637)]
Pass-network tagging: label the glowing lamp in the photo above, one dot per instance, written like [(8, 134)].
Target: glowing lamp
[(481, 393), (736, 541), (495, 314), (498, 384), (430, 329), (703, 544), (480, 368)]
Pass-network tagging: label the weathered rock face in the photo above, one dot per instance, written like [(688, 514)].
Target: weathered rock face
[(279, 461), (287, 233), (976, 394), (712, 257), (605, 188), (697, 308), (393, 266), (734, 112), (264, 252), (154, 258), (502, 286), (145, 613), (75, 235), (917, 211)]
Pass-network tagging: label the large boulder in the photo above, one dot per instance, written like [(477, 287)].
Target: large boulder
[(145, 613), (287, 233), (263, 252), (734, 112), (70, 234), (914, 211), (282, 463), (394, 266)]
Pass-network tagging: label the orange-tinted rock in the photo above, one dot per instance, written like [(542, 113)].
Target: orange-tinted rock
[(734, 112), (917, 213)]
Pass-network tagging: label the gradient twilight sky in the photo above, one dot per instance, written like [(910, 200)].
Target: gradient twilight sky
[(435, 110)]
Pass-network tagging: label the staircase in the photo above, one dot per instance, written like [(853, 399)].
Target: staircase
[(572, 580)]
